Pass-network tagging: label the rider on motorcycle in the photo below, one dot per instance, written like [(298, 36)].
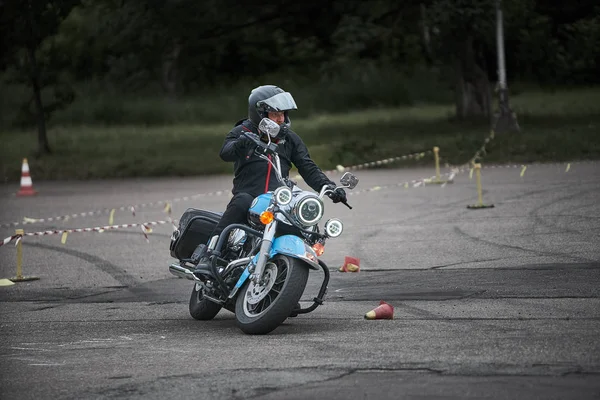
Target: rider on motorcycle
[(252, 174)]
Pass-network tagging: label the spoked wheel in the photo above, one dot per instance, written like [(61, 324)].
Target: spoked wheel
[(200, 308), (261, 308)]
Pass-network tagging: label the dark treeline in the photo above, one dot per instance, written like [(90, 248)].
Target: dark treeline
[(184, 47)]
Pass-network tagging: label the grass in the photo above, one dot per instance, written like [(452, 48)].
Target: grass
[(555, 126)]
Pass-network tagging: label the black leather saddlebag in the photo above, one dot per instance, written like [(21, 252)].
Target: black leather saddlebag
[(195, 227)]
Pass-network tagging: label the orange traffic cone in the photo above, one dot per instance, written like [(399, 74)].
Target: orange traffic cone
[(26, 184), (384, 311), (351, 264)]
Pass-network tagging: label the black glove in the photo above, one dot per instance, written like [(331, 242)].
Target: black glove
[(248, 138), (246, 143), (338, 195)]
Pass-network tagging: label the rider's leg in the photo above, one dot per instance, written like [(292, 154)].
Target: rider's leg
[(235, 213)]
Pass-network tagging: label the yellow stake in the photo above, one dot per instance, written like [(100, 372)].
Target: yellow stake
[(477, 168), (478, 178), (438, 176), (436, 151), (20, 254), (20, 277), (523, 170)]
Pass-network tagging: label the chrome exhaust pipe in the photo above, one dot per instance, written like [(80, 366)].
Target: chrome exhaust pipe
[(183, 272)]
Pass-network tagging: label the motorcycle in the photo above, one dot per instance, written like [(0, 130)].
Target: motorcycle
[(258, 270)]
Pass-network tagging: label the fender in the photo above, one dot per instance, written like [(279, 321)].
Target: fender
[(293, 246), (288, 245)]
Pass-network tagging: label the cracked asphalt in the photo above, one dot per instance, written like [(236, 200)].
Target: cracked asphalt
[(496, 303)]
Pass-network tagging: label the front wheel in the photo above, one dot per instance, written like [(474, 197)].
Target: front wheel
[(201, 308), (259, 309)]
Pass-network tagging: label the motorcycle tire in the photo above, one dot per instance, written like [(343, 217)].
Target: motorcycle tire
[(200, 308), (290, 282)]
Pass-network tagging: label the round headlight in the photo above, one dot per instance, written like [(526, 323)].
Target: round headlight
[(283, 196), (309, 211), (334, 227)]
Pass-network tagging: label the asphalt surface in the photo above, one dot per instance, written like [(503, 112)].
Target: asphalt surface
[(495, 303)]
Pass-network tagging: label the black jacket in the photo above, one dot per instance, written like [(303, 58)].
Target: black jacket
[(251, 173)]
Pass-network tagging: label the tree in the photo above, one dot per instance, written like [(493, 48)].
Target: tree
[(24, 26), (175, 42), (464, 36)]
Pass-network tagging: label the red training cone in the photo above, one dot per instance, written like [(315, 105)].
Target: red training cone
[(26, 183), (384, 311), (351, 264)]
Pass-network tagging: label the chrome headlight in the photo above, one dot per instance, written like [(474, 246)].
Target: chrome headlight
[(334, 227), (283, 196), (309, 210)]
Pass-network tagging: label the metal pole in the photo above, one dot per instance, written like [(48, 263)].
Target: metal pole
[(500, 45), (505, 120)]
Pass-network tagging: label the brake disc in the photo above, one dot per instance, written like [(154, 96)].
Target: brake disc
[(257, 292)]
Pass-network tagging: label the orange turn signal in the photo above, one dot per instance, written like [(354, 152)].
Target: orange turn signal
[(267, 217), (319, 249)]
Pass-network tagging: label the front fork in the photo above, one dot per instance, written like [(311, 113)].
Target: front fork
[(255, 269), (263, 253)]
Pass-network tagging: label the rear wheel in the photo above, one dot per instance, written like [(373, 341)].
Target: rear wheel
[(259, 309), (201, 308)]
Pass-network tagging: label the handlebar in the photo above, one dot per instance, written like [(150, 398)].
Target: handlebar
[(271, 148), (261, 147)]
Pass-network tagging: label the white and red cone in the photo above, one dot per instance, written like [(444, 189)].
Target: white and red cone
[(26, 183), (351, 264), (384, 311)]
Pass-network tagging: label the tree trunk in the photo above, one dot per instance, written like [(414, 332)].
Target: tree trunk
[(473, 95), (426, 35), (43, 147), (170, 74)]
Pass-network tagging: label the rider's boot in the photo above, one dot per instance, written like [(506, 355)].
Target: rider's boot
[(202, 254)]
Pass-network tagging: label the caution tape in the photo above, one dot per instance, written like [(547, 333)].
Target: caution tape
[(380, 163), (567, 165), (370, 164), (168, 203), (482, 148), (407, 184), (145, 227), (9, 239), (111, 211)]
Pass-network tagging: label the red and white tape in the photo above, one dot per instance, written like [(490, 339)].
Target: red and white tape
[(379, 163), (166, 203), (145, 226), (9, 239), (407, 184)]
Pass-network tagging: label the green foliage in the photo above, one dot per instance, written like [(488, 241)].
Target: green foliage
[(581, 54), (556, 126), (30, 57), (161, 62), (360, 85)]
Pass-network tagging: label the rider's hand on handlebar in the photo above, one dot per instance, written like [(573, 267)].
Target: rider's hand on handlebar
[(249, 138), (338, 195)]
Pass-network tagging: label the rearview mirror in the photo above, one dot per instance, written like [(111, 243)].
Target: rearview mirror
[(349, 180), (269, 127)]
